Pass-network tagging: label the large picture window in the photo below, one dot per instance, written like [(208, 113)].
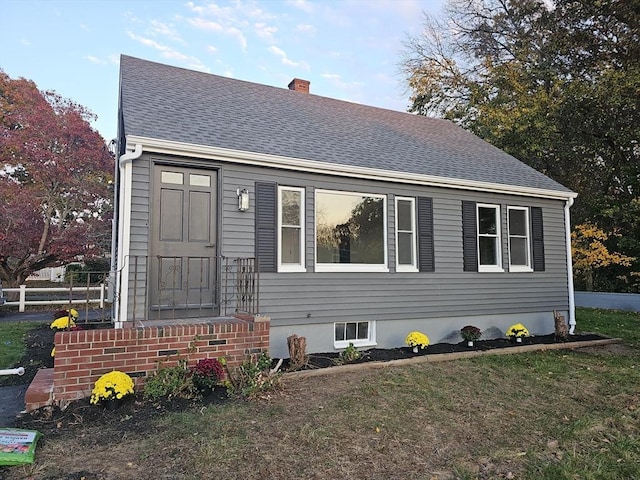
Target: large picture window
[(350, 231), (291, 225), (489, 257), (405, 235), (519, 257)]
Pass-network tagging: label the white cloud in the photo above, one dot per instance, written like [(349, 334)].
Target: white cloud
[(336, 81), (212, 49), (158, 28), (303, 5), (95, 60), (216, 27), (285, 59), (265, 31), (168, 52), (305, 28)]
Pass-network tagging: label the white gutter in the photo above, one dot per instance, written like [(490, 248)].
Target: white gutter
[(124, 231), (288, 163), (572, 302)]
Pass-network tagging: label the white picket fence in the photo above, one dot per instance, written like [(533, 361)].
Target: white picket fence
[(73, 295)]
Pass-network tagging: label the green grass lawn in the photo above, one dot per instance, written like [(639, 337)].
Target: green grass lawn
[(613, 323), (549, 415), (12, 336)]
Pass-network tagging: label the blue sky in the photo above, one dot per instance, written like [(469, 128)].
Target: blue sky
[(348, 49)]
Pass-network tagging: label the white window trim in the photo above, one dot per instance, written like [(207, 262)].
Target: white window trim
[(414, 243), (292, 267), (351, 267), (364, 342), (520, 268), (498, 235)]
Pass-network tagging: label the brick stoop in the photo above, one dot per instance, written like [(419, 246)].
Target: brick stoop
[(40, 391)]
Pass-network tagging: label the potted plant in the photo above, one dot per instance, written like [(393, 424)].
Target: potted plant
[(417, 340), (207, 373), (470, 334), (111, 388), (517, 332)]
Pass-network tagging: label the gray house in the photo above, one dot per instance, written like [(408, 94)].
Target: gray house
[(341, 222)]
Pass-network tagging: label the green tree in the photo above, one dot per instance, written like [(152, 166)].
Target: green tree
[(555, 86)]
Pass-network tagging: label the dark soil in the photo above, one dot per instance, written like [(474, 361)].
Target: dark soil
[(39, 343), (324, 360), (134, 414), (90, 426)]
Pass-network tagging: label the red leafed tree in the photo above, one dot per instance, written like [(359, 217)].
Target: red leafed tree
[(55, 174)]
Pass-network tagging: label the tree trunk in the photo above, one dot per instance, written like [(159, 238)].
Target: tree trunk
[(297, 351)]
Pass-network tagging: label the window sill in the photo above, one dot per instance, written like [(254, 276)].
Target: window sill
[(291, 269), (356, 343), (490, 269), (406, 269), (514, 269), (345, 267)]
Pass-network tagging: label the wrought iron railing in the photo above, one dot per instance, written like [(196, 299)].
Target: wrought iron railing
[(186, 287)]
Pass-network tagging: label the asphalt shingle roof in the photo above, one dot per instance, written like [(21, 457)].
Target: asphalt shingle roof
[(170, 103)]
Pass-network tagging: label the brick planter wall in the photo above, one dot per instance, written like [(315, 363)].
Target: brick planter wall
[(82, 356)]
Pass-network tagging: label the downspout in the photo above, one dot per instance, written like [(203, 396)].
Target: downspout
[(124, 234), (572, 302)]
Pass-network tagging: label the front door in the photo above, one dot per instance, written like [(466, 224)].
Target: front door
[(183, 266)]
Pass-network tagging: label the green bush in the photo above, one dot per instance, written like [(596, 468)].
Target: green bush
[(348, 355), (253, 377), (169, 382)]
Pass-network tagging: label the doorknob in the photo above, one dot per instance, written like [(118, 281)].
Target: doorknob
[(212, 245)]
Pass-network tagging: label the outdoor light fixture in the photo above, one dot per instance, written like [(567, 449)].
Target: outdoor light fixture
[(243, 199)]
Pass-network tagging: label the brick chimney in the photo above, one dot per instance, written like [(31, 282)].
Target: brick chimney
[(299, 85)]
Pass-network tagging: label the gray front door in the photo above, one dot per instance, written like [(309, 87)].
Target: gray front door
[(183, 243)]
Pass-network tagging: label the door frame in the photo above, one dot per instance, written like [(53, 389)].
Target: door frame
[(185, 164)]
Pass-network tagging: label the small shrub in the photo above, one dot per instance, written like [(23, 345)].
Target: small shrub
[(169, 382), (253, 377), (470, 333), (208, 372), (348, 355)]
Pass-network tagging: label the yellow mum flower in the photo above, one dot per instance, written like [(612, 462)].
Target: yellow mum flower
[(114, 384), (417, 339), (517, 330), (64, 322)]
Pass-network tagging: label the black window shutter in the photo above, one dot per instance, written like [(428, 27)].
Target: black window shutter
[(469, 237), (266, 226), (426, 261), (537, 235)]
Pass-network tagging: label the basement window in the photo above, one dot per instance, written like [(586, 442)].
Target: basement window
[(361, 334)]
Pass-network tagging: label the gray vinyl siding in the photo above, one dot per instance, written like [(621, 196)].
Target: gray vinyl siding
[(307, 298)]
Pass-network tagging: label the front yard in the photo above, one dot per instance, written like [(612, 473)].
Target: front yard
[(545, 415)]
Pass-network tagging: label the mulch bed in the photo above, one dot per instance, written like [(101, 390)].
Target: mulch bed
[(135, 413), (39, 343), (324, 360)]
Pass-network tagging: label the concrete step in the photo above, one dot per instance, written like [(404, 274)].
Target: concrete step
[(40, 391)]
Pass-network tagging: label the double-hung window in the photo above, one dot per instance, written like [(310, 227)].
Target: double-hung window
[(351, 233), (489, 251), (291, 224), (405, 235), (519, 240)]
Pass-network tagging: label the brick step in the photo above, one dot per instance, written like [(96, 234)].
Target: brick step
[(40, 391)]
